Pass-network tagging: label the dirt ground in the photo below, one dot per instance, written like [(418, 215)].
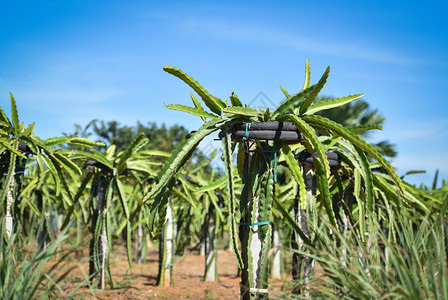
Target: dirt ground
[(140, 282)]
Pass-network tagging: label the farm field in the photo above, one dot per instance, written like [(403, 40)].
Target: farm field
[(294, 178), (141, 281), (223, 150)]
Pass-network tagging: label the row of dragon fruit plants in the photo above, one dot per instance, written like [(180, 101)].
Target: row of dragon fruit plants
[(296, 172)]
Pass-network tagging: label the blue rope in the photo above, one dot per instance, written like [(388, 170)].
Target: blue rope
[(246, 138), (167, 265), (255, 224)]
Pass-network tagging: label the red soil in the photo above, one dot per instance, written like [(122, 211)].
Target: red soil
[(140, 282)]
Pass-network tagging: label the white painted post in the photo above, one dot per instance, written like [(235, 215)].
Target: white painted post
[(256, 251), (9, 203), (254, 247), (166, 249), (102, 247), (139, 251), (169, 243), (276, 260), (103, 252), (210, 252), (303, 266), (203, 242)]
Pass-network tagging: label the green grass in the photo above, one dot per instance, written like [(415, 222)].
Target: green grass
[(400, 259), (36, 274)]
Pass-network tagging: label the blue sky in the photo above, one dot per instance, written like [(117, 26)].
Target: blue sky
[(70, 62)]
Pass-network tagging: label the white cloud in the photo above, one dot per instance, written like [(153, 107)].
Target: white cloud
[(66, 96), (430, 161), (421, 145), (262, 35), (416, 130)]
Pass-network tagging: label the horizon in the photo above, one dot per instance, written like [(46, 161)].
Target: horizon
[(73, 62)]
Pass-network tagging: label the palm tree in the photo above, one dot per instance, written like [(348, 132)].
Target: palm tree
[(359, 113)]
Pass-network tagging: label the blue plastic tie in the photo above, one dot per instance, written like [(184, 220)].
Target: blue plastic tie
[(246, 138), (255, 224), (167, 265), (310, 187)]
